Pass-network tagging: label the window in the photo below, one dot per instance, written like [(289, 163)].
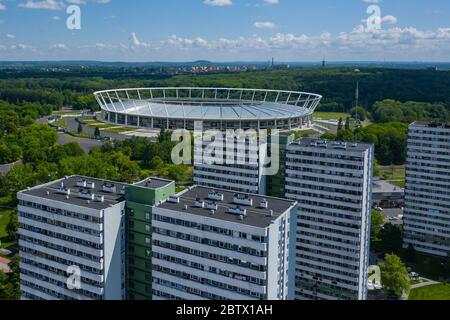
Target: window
[(148, 228), (148, 240), (147, 216)]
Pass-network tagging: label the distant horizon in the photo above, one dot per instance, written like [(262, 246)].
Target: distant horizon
[(277, 62)]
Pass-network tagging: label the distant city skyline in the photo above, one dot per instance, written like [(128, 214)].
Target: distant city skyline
[(225, 30)]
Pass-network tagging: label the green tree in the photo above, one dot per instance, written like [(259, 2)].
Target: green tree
[(360, 112), (156, 163), (377, 223), (340, 124), (10, 283), (12, 226), (97, 132), (394, 275), (347, 123), (391, 237), (328, 136)]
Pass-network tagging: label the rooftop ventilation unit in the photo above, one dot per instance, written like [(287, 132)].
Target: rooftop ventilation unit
[(322, 143), (109, 187), (90, 185), (340, 145), (238, 211), (212, 206), (86, 195), (63, 190), (122, 190), (82, 183), (215, 196), (270, 214), (148, 182), (173, 199), (199, 203), (264, 204), (99, 198), (243, 200)]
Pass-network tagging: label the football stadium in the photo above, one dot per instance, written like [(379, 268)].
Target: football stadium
[(215, 108)]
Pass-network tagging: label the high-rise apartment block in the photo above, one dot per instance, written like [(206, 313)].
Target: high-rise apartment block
[(220, 245), (427, 193), (332, 183), (72, 240)]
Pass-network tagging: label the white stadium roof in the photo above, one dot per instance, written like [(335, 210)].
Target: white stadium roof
[(208, 103)]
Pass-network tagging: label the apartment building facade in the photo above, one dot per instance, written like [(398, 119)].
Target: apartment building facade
[(427, 194), (219, 245), (72, 240), (332, 183), (230, 161)]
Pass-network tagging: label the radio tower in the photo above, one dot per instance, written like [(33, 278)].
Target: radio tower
[(357, 102)]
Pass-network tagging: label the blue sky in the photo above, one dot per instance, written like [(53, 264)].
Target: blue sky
[(225, 30)]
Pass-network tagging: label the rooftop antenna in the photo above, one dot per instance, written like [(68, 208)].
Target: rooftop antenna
[(323, 62)]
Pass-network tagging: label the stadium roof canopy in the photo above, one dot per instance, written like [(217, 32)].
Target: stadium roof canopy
[(208, 103)]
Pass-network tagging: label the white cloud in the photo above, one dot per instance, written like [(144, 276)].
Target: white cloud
[(61, 46), (135, 42), (2, 7), (389, 20), (103, 1), (218, 3), (20, 46), (45, 4), (372, 1), (357, 44), (56, 18), (76, 1), (272, 1), (10, 36), (265, 25)]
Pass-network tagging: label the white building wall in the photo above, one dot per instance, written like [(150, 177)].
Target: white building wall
[(333, 188), (49, 268), (271, 285), (114, 234), (427, 196)]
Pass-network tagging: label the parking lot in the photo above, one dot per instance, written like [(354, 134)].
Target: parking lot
[(393, 216)]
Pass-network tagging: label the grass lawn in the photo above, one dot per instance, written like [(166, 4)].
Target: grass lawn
[(68, 136), (119, 130), (304, 133), (60, 123), (331, 115), (64, 112), (433, 292), (399, 183), (430, 267)]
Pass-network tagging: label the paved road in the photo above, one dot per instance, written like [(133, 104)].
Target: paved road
[(86, 145), (424, 284), (393, 213), (5, 168), (72, 126)]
